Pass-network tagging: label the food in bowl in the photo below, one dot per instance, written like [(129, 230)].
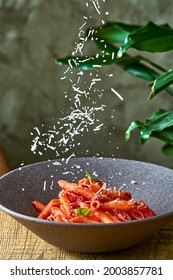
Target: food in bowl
[(89, 201), (151, 183)]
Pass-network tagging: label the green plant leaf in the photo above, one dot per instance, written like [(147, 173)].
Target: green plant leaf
[(108, 56), (167, 150), (85, 62), (131, 64), (161, 83), (159, 121), (165, 135), (150, 38), (114, 32), (133, 125), (104, 37)]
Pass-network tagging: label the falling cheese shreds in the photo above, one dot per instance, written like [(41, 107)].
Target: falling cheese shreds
[(96, 5), (97, 128), (97, 66), (56, 163), (72, 155), (117, 94), (51, 185), (79, 119), (44, 185), (133, 182)]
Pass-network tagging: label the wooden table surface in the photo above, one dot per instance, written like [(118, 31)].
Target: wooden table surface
[(18, 243)]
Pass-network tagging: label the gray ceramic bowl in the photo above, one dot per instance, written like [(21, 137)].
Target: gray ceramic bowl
[(152, 183)]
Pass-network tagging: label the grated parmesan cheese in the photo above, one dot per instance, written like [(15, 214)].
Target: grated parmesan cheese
[(61, 136)]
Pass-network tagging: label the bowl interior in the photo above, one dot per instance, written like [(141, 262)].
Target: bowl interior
[(149, 182)]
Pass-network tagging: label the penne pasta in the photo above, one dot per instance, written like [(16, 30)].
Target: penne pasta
[(76, 189), (82, 219), (114, 217), (123, 216), (84, 205), (109, 195), (95, 204), (89, 201), (65, 205), (38, 206), (95, 187), (119, 204), (103, 217), (136, 214), (46, 211)]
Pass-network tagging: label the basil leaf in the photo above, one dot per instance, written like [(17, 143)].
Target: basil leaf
[(89, 176), (82, 211), (92, 178)]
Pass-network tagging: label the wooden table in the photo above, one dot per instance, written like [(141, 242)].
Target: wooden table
[(18, 243)]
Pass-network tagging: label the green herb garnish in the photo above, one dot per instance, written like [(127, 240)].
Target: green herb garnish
[(91, 178), (82, 211)]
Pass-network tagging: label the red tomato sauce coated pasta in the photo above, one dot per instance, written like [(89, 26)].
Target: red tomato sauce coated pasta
[(88, 201)]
